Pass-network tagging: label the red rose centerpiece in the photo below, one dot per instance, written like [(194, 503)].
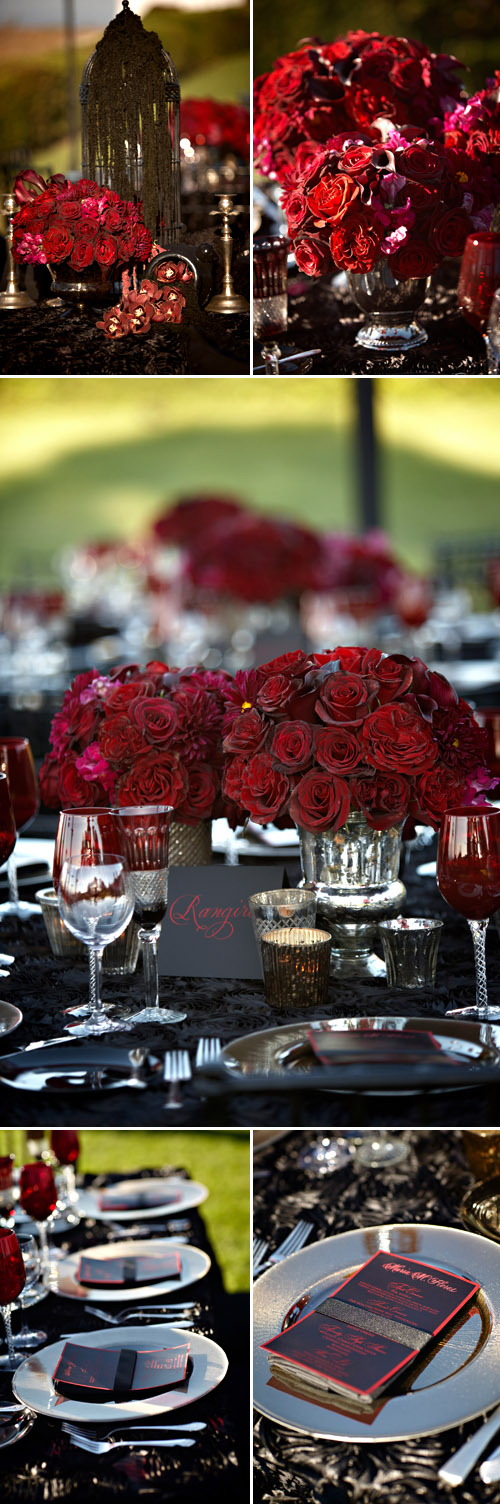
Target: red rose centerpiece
[(348, 744), (78, 229)]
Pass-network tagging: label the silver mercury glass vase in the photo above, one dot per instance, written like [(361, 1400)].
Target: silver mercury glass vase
[(354, 875), (390, 305)]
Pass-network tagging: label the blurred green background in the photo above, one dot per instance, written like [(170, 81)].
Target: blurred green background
[(88, 459), (220, 1160), (468, 31)]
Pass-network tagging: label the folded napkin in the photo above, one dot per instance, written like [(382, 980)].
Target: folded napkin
[(128, 1197), (102, 1374), (122, 1272)]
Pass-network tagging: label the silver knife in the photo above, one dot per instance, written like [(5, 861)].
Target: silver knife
[(490, 1469), (461, 1464)]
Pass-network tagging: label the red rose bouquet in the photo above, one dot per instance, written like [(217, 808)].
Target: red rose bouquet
[(474, 126), (139, 736), (325, 89), (212, 122), (310, 739), (409, 199), (76, 222)]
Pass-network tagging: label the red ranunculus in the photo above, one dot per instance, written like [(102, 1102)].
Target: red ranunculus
[(156, 718), (292, 746), (395, 737), (82, 254), (414, 259), (57, 242), (155, 778), (264, 789), (355, 243), (332, 197), (320, 801), (338, 749), (383, 799), (105, 250)]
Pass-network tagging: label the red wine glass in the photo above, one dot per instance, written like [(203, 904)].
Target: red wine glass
[(145, 831), (7, 1203), (84, 836), (27, 1338), (65, 1144), (479, 278), (468, 876), (38, 1198), (12, 1279), (16, 760), (7, 839)]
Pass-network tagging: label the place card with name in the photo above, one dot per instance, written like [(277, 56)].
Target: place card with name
[(373, 1325), (112, 1373), (116, 1273), (207, 930)]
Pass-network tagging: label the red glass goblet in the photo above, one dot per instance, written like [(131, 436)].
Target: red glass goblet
[(85, 837), (468, 876), (7, 841), (7, 1203), (145, 831), (12, 1279), (65, 1144), (16, 760), (38, 1198), (479, 277)]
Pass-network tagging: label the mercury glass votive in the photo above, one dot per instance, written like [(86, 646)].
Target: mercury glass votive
[(281, 908), (410, 950), (482, 1147), (296, 965)]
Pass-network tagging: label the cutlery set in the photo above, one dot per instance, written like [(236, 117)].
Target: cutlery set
[(295, 1240), (177, 1067)]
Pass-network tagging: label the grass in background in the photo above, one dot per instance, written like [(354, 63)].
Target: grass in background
[(220, 1160)]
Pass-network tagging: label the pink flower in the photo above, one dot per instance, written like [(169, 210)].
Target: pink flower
[(93, 767)]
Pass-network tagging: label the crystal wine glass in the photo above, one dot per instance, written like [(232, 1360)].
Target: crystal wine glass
[(16, 760), (38, 1198), (65, 1144), (145, 835), (468, 876), (26, 1338), (96, 903), (7, 1202), (7, 839), (270, 298), (479, 278), (493, 335), (12, 1278), (84, 835)]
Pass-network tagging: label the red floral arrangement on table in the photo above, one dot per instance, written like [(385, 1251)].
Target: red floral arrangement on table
[(251, 557), (409, 199), (313, 738), (76, 222), (324, 89), (154, 302), (474, 126), (148, 735), (209, 122)]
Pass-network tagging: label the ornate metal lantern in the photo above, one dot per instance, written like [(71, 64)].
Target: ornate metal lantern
[(130, 100)]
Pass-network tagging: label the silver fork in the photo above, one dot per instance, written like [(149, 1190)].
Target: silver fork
[(291, 1244), (176, 1068), (115, 1317), (91, 1432), (260, 1247), (98, 1448), (208, 1052)]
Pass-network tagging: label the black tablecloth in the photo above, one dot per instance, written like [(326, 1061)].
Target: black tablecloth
[(46, 1466), (426, 1188), (323, 316), (43, 986), (47, 341)]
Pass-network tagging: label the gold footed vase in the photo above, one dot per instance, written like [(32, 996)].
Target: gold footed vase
[(95, 287), (190, 845), (353, 873)]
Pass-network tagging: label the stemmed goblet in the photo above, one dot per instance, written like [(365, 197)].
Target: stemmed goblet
[(38, 1198), (468, 876), (84, 835), (65, 1144), (7, 839), (7, 1203), (478, 280), (27, 1338), (270, 299), (12, 1279), (145, 833), (96, 903), (16, 760)]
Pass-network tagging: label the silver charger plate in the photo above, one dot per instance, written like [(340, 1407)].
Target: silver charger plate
[(192, 1194), (458, 1381), (10, 1018), (194, 1265), (73, 1065), (33, 1386)]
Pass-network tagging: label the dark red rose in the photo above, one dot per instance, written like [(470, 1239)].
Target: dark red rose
[(143, 243), (125, 250), (105, 250), (276, 693), (311, 255), (288, 663), (112, 220), (48, 778), (69, 210), (120, 741), (294, 205), (264, 790), (292, 746), (345, 697), (355, 243), (397, 737), (332, 197), (320, 801), (247, 735), (414, 259), (338, 749), (394, 679), (155, 717), (75, 790), (355, 159), (233, 778), (436, 791), (86, 229), (418, 161), (120, 696), (384, 799), (57, 242), (82, 254), (155, 778), (202, 792), (449, 232), (353, 660)]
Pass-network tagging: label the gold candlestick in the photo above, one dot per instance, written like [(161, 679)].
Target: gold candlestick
[(227, 301), (12, 296)]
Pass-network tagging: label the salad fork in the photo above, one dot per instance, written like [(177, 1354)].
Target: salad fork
[(176, 1068), (91, 1433), (98, 1448), (291, 1244), (260, 1247), (208, 1052), (114, 1318)]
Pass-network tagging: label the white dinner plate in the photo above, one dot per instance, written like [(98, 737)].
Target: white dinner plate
[(460, 1380), (192, 1194), (194, 1265), (33, 1386)]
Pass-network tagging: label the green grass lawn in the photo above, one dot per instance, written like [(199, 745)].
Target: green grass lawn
[(220, 1160)]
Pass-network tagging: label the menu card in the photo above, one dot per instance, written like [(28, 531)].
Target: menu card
[(118, 1272), (128, 1197), (344, 1046), (113, 1373), (373, 1325)]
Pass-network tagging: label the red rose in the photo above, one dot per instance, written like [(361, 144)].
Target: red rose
[(157, 718), (202, 792), (353, 660), (75, 790), (436, 791), (143, 243), (355, 243), (384, 799), (394, 679), (264, 790), (345, 697), (449, 232), (276, 693), (247, 735), (69, 210), (82, 254), (112, 220), (294, 205), (292, 746), (48, 778), (125, 249), (414, 259), (120, 741), (332, 197), (233, 778), (320, 801), (396, 737), (156, 778), (105, 250), (120, 696), (418, 161), (338, 749), (86, 229), (311, 255), (57, 242), (356, 159), (294, 663)]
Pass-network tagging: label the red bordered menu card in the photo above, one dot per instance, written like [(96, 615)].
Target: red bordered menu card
[(120, 1273), (113, 1373), (129, 1197), (341, 1046), (370, 1328)]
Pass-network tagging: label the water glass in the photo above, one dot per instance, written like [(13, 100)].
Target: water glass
[(410, 950)]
